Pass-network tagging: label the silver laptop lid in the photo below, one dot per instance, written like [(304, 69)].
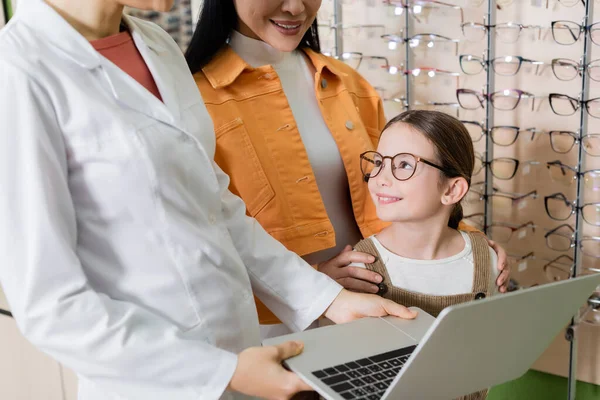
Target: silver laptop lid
[(476, 345)]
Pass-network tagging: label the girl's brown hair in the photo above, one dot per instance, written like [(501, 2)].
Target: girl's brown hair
[(453, 146)]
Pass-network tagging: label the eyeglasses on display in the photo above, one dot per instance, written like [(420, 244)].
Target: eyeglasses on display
[(428, 39), (503, 168), (562, 238), (565, 69), (421, 71), (558, 269), (507, 32), (566, 175), (500, 199), (565, 105), (559, 208), (563, 141), (569, 32), (503, 231), (505, 65), (417, 8), (506, 100)]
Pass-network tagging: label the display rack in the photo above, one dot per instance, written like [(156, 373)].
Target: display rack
[(571, 334), (409, 96)]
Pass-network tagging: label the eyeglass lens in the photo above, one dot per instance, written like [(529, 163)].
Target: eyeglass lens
[(403, 165)]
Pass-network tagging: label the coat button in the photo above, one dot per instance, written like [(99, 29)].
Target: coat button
[(324, 83), (212, 219), (382, 289), (349, 125), (480, 296)]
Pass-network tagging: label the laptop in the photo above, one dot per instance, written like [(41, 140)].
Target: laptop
[(469, 347)]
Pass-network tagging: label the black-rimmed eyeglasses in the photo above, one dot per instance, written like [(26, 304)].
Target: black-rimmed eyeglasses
[(559, 208), (564, 105)]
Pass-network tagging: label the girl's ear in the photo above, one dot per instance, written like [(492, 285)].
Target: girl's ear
[(456, 189)]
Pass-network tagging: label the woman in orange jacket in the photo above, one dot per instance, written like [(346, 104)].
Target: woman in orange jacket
[(290, 124)]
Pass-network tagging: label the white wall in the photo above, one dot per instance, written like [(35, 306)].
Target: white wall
[(195, 8)]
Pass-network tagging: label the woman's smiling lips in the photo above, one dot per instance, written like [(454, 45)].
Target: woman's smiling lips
[(289, 28)]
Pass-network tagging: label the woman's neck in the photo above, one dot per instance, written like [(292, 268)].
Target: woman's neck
[(96, 19), (255, 52), (421, 240)]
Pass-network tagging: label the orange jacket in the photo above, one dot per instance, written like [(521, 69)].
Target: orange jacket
[(260, 148)]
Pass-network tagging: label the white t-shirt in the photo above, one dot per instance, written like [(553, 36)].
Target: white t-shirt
[(443, 277)]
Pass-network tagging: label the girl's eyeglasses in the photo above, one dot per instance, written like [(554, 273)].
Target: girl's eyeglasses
[(568, 32), (566, 175), (403, 165), (564, 105), (562, 238), (567, 70), (560, 209), (563, 141), (507, 32), (505, 66), (501, 135), (506, 100)]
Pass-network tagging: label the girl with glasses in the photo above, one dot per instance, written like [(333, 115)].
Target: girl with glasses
[(417, 178), (290, 124)]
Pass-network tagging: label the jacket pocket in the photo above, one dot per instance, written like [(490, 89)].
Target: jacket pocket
[(236, 155)]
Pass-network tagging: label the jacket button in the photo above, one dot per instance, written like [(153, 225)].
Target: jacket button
[(382, 289), (480, 296), (349, 125), (324, 83)]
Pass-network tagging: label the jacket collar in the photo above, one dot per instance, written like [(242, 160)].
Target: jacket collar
[(43, 19), (226, 66), (46, 22)]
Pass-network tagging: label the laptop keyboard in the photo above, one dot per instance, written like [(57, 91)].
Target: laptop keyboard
[(367, 378)]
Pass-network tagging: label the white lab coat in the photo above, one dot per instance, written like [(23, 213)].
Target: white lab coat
[(122, 253)]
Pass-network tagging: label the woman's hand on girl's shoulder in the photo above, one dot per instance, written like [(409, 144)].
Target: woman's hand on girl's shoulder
[(352, 278), (503, 266)]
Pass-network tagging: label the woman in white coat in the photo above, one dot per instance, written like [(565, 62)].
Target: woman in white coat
[(122, 253)]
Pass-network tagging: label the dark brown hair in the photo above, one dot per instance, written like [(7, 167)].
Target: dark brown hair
[(453, 146)]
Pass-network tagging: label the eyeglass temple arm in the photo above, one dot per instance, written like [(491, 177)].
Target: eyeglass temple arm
[(527, 224), (533, 194), (553, 231)]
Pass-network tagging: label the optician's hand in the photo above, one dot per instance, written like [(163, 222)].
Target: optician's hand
[(349, 306), (352, 278), (259, 372), (503, 266)]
